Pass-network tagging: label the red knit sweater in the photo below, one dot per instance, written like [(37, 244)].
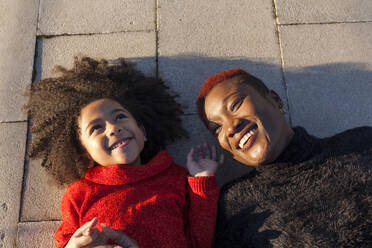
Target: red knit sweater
[(155, 204)]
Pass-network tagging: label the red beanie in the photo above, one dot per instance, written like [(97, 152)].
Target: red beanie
[(210, 83)]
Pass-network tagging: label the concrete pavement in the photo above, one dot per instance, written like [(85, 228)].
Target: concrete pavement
[(316, 54)]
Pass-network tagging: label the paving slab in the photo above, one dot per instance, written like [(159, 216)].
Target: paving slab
[(320, 11), (328, 71), (198, 38), (98, 16), (139, 47), (41, 197), (198, 135), (12, 147), (37, 234), (17, 48)]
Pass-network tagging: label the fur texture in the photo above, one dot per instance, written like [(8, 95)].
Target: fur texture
[(317, 194)]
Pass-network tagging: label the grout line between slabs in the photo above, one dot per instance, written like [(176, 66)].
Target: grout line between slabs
[(282, 60), (156, 39), (322, 23), (37, 221), (10, 122), (48, 36)]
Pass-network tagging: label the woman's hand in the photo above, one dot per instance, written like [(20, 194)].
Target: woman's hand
[(86, 236), (205, 162), (118, 237)]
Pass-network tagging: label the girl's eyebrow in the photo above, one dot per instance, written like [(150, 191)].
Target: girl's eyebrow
[(117, 110), (98, 119)]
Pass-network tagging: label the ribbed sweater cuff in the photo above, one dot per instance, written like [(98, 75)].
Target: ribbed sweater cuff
[(203, 184)]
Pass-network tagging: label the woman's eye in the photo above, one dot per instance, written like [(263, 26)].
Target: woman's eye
[(236, 104), (215, 128), (120, 116)]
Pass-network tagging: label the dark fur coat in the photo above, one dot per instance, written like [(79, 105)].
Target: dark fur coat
[(317, 194)]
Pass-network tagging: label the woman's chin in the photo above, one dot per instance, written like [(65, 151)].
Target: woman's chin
[(256, 155)]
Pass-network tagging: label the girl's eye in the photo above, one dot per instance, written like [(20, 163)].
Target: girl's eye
[(236, 104), (95, 128), (120, 116)]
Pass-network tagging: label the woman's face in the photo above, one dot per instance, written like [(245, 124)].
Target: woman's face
[(247, 124)]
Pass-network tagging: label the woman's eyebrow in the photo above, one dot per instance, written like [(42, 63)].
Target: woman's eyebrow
[(227, 97)]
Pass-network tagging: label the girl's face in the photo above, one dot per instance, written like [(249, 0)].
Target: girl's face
[(110, 134)]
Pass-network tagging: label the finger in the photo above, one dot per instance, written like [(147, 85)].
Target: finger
[(83, 241), (207, 151), (222, 159), (85, 229), (214, 153), (190, 156), (119, 237), (200, 153)]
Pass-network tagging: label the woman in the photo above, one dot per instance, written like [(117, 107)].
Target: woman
[(304, 191)]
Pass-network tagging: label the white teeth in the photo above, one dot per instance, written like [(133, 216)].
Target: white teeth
[(246, 138), (118, 144)]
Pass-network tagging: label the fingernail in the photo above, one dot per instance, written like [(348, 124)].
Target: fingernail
[(118, 246)]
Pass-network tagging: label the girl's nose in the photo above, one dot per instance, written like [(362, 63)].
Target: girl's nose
[(113, 129)]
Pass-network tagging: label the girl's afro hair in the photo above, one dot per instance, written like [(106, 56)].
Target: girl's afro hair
[(55, 103)]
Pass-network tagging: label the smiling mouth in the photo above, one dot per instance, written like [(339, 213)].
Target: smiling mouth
[(121, 143), (248, 138)]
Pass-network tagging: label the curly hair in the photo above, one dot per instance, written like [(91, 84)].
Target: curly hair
[(55, 103)]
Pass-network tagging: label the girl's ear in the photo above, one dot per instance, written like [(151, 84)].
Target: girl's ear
[(275, 99)]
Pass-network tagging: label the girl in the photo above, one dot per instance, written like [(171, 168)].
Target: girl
[(104, 125)]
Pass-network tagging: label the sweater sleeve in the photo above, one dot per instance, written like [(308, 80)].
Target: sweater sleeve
[(70, 220), (201, 213)]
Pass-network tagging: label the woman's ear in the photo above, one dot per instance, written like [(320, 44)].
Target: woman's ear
[(275, 99), (144, 133)]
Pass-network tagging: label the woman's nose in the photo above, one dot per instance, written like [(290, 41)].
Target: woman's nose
[(234, 126)]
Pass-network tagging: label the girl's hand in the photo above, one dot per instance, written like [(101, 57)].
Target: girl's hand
[(86, 236), (205, 163)]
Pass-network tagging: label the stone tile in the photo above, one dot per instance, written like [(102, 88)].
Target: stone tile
[(198, 38), (138, 47), (318, 11), (37, 234), (328, 71), (17, 48), (99, 16), (12, 147), (198, 134), (41, 198)]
